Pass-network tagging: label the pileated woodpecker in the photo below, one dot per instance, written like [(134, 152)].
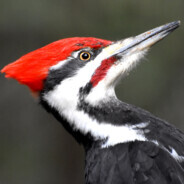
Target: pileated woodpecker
[(75, 80)]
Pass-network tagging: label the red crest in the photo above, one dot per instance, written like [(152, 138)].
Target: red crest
[(33, 68)]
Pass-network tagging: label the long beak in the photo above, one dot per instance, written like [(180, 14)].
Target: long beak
[(142, 41)]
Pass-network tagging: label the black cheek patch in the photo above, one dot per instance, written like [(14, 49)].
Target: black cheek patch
[(68, 70)]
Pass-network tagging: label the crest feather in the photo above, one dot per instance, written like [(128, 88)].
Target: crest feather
[(33, 68)]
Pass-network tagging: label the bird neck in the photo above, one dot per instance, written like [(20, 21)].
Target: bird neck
[(77, 116), (104, 124)]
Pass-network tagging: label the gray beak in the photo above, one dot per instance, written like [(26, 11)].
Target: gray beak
[(142, 41)]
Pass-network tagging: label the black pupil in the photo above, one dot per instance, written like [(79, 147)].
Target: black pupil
[(85, 55)]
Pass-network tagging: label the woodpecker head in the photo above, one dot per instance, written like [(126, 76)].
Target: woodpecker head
[(74, 70)]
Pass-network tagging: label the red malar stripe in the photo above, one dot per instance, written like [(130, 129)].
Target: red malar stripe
[(102, 70)]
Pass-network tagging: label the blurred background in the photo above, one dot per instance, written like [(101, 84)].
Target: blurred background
[(34, 147)]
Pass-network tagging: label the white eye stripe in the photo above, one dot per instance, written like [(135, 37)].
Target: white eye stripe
[(76, 54), (59, 65)]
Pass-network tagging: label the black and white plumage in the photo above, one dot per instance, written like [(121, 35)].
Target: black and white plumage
[(124, 144)]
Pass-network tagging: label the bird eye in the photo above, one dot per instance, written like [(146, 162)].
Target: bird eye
[(85, 56)]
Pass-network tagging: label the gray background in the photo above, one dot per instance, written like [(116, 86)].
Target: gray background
[(34, 147)]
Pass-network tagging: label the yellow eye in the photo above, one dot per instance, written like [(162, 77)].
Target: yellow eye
[(85, 56)]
